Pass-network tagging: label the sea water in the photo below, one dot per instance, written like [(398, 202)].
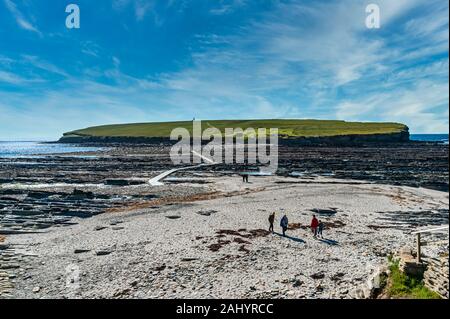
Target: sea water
[(442, 138), (19, 149)]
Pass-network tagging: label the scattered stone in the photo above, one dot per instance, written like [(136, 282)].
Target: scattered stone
[(188, 259), (103, 252), (173, 217), (244, 249), (9, 266), (240, 241), (79, 194), (338, 276), (207, 212), (294, 226), (324, 212), (81, 251), (334, 224), (121, 292), (344, 292), (318, 275), (159, 268)]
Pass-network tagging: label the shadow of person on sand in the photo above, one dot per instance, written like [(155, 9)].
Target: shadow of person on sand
[(298, 240), (330, 242)]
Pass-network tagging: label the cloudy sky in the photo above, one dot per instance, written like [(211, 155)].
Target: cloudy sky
[(154, 60)]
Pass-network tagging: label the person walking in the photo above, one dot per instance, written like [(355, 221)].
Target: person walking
[(320, 229), (284, 224), (314, 225), (271, 221)]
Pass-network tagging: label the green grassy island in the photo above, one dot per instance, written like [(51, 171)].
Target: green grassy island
[(289, 128)]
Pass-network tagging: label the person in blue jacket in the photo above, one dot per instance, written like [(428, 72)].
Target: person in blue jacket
[(284, 224)]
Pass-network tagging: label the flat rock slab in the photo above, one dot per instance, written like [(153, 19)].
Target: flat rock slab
[(325, 212), (207, 212), (103, 252), (188, 259), (318, 275), (81, 251)]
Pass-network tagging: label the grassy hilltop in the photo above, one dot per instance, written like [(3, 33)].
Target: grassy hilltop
[(287, 128)]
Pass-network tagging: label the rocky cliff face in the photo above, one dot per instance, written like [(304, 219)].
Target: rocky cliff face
[(113, 140), (349, 140), (343, 140)]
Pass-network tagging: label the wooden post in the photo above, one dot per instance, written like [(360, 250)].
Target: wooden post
[(418, 248)]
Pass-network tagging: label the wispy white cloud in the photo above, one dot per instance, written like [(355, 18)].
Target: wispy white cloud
[(44, 65), (424, 107), (90, 48), (141, 7), (5, 60), (73, 104), (305, 61), (20, 18), (26, 71), (227, 6), (11, 78)]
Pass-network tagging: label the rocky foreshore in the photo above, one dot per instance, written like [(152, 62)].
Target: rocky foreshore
[(219, 246), (203, 233), (39, 192)]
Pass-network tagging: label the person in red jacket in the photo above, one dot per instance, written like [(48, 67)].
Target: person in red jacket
[(314, 225)]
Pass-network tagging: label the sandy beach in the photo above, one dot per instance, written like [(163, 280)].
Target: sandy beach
[(216, 245)]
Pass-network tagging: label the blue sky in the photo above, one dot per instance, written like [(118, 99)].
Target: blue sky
[(148, 60)]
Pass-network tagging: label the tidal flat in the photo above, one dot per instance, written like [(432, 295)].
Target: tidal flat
[(92, 226)]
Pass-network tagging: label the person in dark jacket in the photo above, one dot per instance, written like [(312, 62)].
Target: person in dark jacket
[(320, 229), (271, 221), (284, 224), (244, 177), (314, 225)]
